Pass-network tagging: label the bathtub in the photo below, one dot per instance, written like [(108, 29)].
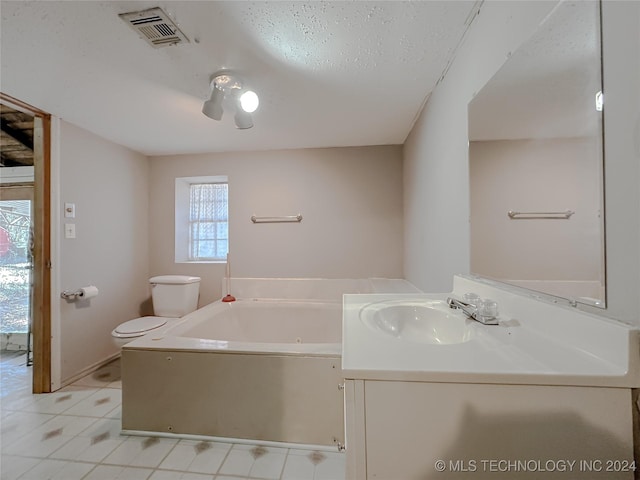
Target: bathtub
[(254, 369), (294, 326)]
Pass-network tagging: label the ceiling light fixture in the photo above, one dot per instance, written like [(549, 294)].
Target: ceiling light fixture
[(227, 88)]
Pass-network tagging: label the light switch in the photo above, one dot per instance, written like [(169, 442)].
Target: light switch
[(69, 230), (69, 210)]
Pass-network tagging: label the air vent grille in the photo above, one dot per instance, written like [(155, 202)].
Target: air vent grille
[(155, 26)]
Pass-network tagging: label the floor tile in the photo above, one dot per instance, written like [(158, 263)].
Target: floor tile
[(76, 433), (12, 466), (209, 461), (332, 467), (298, 467), (17, 400), (196, 456), (58, 402), (18, 424), (116, 413), (48, 437), (141, 452), (93, 444), (238, 462), (102, 377), (268, 465), (114, 472), (98, 404), (314, 464), (172, 475), (69, 424), (57, 470), (15, 376), (254, 461)]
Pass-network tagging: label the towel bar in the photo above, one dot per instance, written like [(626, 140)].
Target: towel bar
[(536, 215), (286, 218)]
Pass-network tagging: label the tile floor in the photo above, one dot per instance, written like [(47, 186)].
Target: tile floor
[(75, 434)]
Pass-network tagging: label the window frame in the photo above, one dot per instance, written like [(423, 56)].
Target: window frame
[(182, 216)]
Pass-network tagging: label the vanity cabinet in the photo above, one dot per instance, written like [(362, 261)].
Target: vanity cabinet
[(546, 393), (399, 430)]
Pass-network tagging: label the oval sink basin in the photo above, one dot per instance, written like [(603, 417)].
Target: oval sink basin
[(430, 322)]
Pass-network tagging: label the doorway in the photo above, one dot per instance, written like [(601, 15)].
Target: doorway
[(25, 230), (16, 269)]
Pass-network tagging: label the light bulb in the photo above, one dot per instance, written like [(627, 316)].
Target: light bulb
[(249, 101)]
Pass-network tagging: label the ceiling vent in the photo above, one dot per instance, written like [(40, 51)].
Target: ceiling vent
[(155, 26)]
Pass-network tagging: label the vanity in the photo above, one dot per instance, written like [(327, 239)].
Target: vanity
[(430, 393), (551, 391)]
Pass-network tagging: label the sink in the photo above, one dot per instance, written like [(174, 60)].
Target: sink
[(430, 322)]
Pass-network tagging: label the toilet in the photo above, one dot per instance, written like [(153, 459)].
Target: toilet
[(173, 296)]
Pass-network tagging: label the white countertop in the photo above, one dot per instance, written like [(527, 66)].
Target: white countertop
[(520, 350)]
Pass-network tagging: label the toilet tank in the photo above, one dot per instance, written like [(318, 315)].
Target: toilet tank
[(174, 295)]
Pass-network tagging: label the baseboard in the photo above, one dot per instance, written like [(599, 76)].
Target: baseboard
[(90, 369), (243, 441)]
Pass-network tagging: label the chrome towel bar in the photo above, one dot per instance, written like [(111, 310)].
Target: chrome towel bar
[(286, 218), (535, 215)]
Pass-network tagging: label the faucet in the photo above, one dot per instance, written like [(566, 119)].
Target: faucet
[(472, 312)]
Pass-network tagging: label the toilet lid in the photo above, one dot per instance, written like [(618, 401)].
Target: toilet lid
[(141, 325)]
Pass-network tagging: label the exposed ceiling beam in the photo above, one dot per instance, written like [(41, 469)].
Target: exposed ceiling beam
[(7, 161), (18, 135)]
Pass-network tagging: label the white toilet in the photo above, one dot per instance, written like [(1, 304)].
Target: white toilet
[(173, 296)]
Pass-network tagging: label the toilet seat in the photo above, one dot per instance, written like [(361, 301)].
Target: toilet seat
[(138, 326)]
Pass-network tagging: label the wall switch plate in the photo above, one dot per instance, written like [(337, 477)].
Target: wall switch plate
[(69, 210), (69, 230)]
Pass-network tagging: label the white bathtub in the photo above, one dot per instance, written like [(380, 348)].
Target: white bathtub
[(244, 323), (251, 369)]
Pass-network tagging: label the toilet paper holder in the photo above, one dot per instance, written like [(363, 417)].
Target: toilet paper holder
[(79, 294), (69, 295)]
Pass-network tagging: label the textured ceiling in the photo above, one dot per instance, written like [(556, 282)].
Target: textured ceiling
[(547, 87), (328, 73)]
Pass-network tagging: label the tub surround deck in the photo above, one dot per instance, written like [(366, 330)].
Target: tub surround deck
[(311, 293), (197, 332), (266, 367), (276, 398), (325, 289), (252, 369)]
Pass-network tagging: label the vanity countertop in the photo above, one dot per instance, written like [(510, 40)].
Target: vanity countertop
[(540, 345)]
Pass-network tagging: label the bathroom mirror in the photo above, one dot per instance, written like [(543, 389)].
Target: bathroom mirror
[(536, 162)]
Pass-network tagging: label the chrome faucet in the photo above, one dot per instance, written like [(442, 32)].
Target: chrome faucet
[(472, 312)]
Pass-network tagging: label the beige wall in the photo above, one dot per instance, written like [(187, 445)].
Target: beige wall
[(350, 200), (109, 186), (436, 174), (535, 176)]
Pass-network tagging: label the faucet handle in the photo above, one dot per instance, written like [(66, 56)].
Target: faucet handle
[(472, 299), (487, 308)]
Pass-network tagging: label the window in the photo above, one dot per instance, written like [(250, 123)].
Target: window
[(202, 219), (208, 221)]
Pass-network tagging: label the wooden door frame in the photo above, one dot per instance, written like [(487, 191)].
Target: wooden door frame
[(41, 308), (16, 191)]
